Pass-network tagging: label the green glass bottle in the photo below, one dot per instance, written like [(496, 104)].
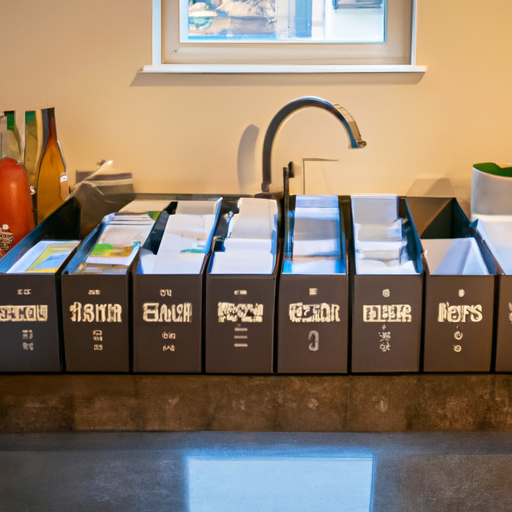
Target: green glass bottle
[(33, 143), (10, 136), (52, 171)]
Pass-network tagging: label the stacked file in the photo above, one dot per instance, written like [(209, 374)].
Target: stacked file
[(186, 240), (46, 257), (118, 244), (250, 246), (379, 239), (315, 237)]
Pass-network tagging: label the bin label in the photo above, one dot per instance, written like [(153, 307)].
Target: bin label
[(303, 313), (382, 313), (459, 313), (96, 312), (245, 313), (34, 313), (175, 313)]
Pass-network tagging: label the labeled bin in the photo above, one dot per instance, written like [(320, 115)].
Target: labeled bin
[(313, 288), (496, 232), (503, 361), (241, 290), (387, 286), (30, 302), (96, 294), (459, 289), (168, 287)]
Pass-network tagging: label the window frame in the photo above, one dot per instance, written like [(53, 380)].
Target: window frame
[(206, 57)]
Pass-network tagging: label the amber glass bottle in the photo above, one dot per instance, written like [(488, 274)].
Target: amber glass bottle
[(51, 171)]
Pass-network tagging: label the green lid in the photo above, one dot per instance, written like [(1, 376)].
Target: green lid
[(495, 169)]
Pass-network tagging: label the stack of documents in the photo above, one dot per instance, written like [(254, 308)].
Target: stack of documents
[(46, 257), (186, 240), (118, 244), (379, 239), (250, 246), (315, 236)]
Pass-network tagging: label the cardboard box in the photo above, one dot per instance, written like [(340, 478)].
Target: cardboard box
[(387, 310), (239, 319), (459, 309), (312, 321), (30, 304)]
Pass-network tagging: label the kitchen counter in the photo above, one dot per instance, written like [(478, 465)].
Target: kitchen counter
[(274, 403)]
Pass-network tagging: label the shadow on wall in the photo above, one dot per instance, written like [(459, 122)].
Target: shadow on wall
[(248, 177)]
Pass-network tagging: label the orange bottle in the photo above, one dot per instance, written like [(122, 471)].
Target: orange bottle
[(16, 218)]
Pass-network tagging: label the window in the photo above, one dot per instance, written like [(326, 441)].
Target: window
[(283, 35)]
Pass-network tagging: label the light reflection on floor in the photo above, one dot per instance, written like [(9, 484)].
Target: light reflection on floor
[(296, 482)]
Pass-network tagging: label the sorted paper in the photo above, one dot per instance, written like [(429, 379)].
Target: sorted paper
[(250, 246), (315, 236)]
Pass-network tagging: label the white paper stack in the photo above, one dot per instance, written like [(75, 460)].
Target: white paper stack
[(380, 243), (454, 256), (316, 236), (186, 239), (47, 256), (250, 246), (118, 244), (382, 231)]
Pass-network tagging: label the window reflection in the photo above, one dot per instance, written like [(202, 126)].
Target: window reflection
[(238, 480), (331, 21)]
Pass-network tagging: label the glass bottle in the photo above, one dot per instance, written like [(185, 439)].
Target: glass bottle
[(52, 171), (33, 143), (16, 219), (10, 136)]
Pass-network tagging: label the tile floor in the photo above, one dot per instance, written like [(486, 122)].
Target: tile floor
[(225, 471)]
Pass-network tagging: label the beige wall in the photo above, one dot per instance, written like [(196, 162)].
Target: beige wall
[(183, 134)]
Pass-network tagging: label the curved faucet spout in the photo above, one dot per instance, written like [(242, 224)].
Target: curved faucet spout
[(339, 112)]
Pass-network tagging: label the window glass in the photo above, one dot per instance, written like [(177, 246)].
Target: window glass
[(283, 21)]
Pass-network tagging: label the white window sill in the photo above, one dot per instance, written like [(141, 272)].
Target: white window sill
[(279, 68)]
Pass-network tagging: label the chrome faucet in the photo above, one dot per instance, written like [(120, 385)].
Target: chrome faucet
[(339, 112)]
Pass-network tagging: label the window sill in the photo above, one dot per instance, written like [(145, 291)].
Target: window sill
[(279, 69)]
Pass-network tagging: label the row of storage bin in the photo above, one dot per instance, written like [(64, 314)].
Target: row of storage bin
[(278, 322)]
